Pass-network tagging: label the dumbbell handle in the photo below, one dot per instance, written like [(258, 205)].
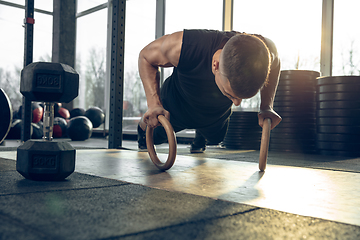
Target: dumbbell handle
[(48, 121)]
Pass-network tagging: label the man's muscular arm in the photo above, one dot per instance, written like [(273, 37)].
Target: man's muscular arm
[(268, 91), (163, 52)]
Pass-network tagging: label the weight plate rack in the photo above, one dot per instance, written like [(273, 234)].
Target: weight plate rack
[(244, 131), (295, 102), (338, 116)]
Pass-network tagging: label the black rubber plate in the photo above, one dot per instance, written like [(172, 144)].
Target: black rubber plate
[(5, 115), (338, 121), (338, 104), (350, 113), (328, 137), (352, 130), (338, 96), (338, 146), (339, 88), (305, 98), (338, 80)]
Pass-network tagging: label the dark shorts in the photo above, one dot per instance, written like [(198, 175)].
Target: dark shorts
[(214, 134)]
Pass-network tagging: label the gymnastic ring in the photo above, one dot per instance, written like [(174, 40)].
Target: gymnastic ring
[(172, 145)]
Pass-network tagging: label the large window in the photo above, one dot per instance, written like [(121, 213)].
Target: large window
[(91, 59), (189, 14), (346, 44), (12, 44), (294, 27), (139, 31), (206, 14)]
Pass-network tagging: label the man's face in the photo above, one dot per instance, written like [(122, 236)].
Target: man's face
[(224, 86)]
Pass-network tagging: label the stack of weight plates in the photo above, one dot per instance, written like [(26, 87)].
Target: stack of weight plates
[(338, 116), (295, 103), (244, 131)]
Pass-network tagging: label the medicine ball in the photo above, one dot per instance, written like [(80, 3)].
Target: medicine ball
[(37, 112), (37, 130), (15, 130), (79, 128), (60, 127), (96, 116), (63, 113), (77, 112)]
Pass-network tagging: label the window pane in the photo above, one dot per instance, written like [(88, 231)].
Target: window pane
[(197, 17), (12, 52), (86, 4), (206, 14), (346, 44), (12, 47), (139, 31), (12, 42), (294, 26), (43, 29), (43, 5), (91, 59)]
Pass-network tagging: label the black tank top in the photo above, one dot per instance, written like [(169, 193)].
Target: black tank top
[(190, 94)]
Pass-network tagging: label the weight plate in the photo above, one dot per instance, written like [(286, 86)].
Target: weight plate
[(295, 130), (241, 147), (237, 128), (338, 96), (294, 104), (238, 115), (338, 104), (296, 88), (299, 74), (338, 146), (352, 130), (339, 153), (295, 98), (296, 93), (306, 148), (331, 137), (241, 143), (300, 135), (292, 141), (295, 109), (298, 120), (339, 88), (302, 115), (242, 138), (338, 113), (6, 115), (338, 80), (243, 133), (338, 121), (297, 82), (296, 125)]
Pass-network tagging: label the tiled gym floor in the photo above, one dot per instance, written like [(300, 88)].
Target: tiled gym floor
[(321, 187)]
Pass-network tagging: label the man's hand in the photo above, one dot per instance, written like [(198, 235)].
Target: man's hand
[(150, 118), (269, 113)]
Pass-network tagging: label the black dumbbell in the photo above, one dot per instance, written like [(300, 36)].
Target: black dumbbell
[(45, 159)]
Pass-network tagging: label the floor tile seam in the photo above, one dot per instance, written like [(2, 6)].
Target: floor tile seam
[(183, 224), (21, 224), (66, 190)]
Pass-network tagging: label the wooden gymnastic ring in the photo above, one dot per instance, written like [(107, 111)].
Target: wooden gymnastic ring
[(172, 144), (264, 147)]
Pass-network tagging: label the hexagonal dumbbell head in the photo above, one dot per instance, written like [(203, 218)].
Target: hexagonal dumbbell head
[(49, 82), (45, 160)]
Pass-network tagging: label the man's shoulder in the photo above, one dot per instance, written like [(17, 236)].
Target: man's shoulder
[(272, 47)]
